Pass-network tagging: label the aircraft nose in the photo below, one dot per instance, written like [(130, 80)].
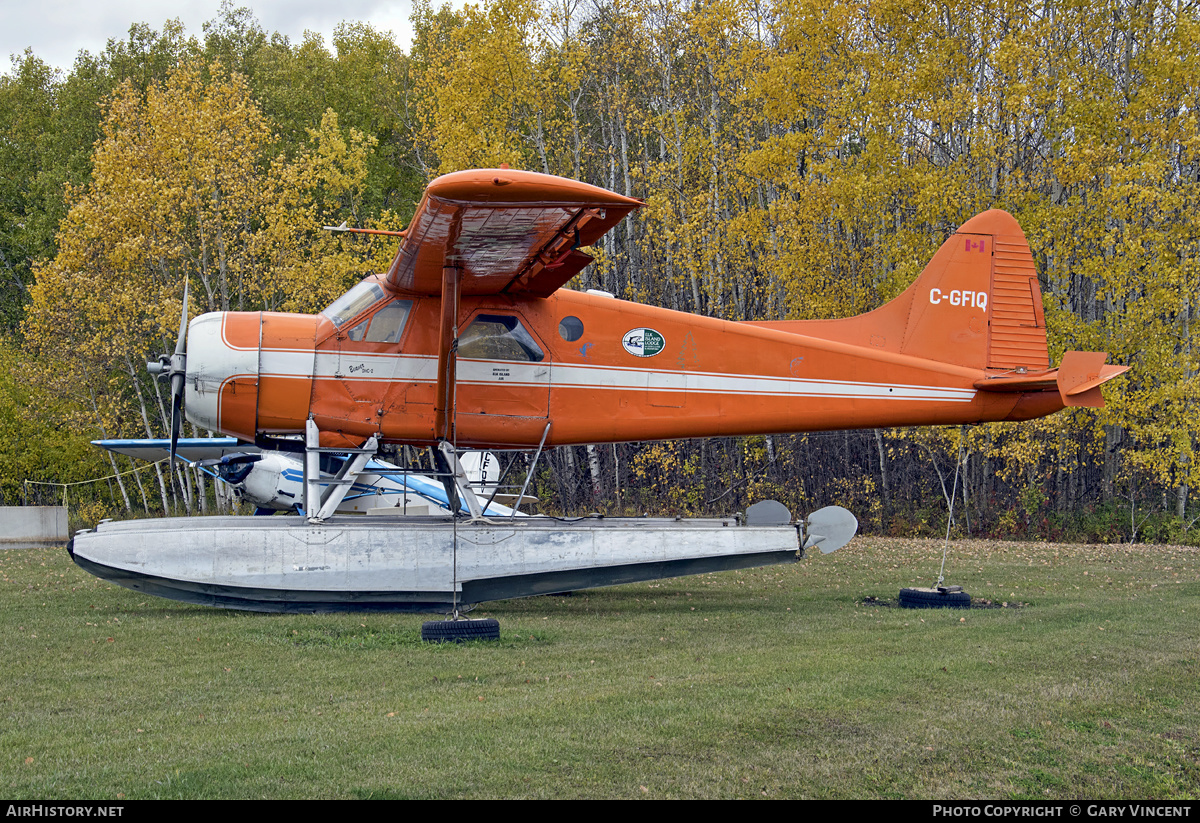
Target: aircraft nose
[(222, 372)]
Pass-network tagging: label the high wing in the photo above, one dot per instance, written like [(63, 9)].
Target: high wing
[(506, 231), (189, 448)]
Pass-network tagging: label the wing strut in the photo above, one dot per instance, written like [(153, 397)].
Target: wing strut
[(443, 408), (321, 496)]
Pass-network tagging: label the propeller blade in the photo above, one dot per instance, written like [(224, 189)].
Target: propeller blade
[(179, 373), (176, 408), (181, 341)]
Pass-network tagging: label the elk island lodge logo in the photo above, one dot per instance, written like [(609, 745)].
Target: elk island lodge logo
[(643, 342)]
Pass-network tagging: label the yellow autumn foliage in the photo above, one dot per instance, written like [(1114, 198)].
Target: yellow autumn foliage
[(182, 189), (799, 159)]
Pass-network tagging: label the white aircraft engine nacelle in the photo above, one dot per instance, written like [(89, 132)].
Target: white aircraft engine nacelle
[(275, 482)]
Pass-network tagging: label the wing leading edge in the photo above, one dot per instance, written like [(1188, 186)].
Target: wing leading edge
[(189, 448), (508, 232)]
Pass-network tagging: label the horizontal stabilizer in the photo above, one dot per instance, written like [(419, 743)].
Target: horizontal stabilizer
[(1030, 381), (1080, 376), (1078, 379)]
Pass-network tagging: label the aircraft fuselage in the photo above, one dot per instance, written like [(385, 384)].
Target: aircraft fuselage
[(595, 368)]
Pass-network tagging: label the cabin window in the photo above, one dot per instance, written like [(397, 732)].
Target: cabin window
[(388, 323), (356, 333), (570, 328), (498, 337), (353, 303)]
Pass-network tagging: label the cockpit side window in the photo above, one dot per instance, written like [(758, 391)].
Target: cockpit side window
[(499, 337), (388, 323), (356, 333), (353, 303)]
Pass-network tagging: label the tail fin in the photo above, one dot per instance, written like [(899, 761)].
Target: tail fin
[(977, 304)]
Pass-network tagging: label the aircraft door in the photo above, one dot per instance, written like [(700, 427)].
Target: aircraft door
[(369, 366), (503, 385)]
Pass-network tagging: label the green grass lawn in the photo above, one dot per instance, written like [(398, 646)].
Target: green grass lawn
[(779, 682)]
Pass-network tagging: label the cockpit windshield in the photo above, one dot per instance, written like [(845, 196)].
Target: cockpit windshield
[(353, 303)]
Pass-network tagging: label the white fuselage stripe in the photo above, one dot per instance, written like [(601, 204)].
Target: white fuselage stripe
[(386, 368)]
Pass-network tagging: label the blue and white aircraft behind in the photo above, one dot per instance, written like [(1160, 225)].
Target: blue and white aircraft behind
[(273, 481)]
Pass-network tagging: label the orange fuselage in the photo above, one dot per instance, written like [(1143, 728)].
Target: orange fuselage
[(609, 371)]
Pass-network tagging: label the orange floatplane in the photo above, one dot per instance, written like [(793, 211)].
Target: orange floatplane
[(470, 339)]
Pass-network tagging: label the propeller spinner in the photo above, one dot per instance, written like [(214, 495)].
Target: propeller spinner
[(173, 369)]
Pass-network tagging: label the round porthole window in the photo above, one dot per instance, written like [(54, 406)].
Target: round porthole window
[(570, 329)]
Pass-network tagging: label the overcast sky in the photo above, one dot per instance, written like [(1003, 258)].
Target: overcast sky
[(57, 30)]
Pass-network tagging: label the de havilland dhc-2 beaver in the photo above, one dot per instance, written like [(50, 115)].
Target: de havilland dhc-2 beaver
[(470, 341)]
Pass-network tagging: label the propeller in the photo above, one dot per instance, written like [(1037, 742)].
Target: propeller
[(232, 468), (173, 369)]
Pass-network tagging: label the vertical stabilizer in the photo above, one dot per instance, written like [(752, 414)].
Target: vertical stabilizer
[(977, 304)]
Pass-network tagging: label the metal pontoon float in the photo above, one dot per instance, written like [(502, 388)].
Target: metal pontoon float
[(414, 563)]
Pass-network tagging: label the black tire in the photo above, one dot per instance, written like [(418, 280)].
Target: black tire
[(459, 631), (933, 599)]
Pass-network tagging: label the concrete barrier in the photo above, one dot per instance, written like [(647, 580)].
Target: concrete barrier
[(27, 527)]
